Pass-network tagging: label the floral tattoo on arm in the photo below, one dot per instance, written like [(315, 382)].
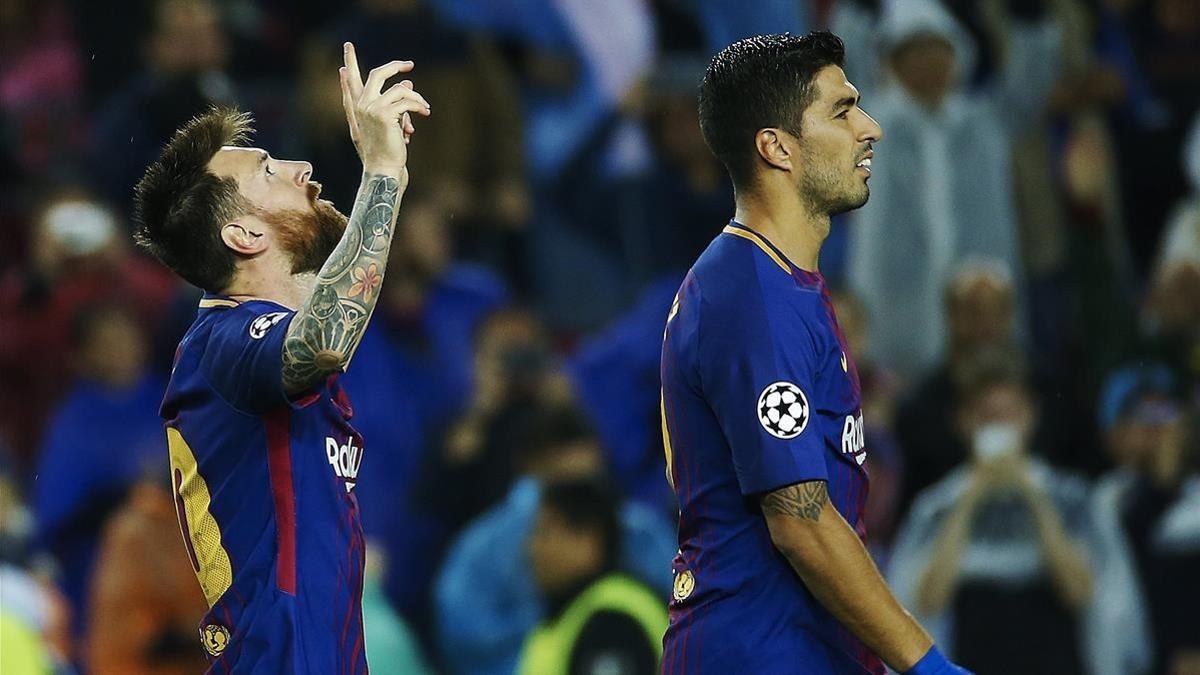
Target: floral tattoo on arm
[(326, 331)]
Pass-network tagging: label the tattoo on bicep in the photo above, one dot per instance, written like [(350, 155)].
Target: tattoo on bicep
[(329, 327), (802, 500)]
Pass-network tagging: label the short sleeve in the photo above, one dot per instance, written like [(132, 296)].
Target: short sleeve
[(243, 360), (758, 367)]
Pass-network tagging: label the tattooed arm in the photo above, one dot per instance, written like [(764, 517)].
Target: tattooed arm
[(327, 330), (831, 560)]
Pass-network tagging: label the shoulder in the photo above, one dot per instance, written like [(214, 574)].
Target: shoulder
[(250, 320), (740, 284)]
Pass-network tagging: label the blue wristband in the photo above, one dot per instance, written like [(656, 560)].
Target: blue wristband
[(933, 663)]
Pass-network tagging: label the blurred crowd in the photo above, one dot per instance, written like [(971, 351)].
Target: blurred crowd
[(1022, 293)]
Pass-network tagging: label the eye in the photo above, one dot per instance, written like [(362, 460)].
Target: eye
[(843, 115)]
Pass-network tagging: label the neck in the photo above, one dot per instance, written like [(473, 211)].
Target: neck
[(289, 290), (797, 229)]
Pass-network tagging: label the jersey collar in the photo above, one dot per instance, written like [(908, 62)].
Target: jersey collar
[(210, 300), (802, 276)]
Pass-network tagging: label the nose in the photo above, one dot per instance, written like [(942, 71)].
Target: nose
[(871, 131), (301, 172)]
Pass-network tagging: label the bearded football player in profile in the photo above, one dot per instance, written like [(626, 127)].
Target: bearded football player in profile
[(269, 515)]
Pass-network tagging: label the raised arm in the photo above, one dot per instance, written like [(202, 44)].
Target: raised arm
[(836, 568), (325, 332)]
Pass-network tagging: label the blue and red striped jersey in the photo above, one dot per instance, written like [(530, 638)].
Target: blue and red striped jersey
[(759, 392), (264, 486)]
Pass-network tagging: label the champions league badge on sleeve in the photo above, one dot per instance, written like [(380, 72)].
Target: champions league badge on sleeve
[(783, 410), (264, 323)]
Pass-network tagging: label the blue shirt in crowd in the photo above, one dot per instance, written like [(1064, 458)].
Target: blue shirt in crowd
[(486, 599), (98, 443), (416, 379)]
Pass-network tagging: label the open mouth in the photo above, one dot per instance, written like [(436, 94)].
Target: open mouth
[(864, 165)]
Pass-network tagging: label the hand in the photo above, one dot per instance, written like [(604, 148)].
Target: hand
[(380, 124)]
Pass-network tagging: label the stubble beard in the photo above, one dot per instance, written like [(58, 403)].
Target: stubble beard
[(831, 194), (825, 186)]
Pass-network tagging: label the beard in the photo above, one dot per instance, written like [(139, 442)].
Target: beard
[(309, 237), (824, 184), (830, 193)]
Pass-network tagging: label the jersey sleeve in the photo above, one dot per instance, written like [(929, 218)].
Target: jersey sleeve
[(243, 360), (759, 362)]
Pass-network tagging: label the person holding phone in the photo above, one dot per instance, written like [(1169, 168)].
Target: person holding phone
[(993, 557)]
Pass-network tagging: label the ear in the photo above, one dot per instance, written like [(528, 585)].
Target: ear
[(244, 237), (774, 149)]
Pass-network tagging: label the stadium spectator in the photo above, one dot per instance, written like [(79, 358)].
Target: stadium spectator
[(35, 618), (1140, 509), (77, 259), (392, 648), (473, 164), (1156, 44), (994, 557), (481, 626), (978, 306), (186, 58), (420, 345), (688, 194), (102, 439), (1173, 308), (885, 461), (20, 648), (941, 182), (144, 600), (1181, 240), (615, 376), (515, 375), (597, 620), (16, 518), (41, 91)]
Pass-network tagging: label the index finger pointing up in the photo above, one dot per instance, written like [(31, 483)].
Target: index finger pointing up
[(352, 74)]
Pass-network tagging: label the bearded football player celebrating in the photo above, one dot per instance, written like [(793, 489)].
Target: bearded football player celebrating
[(263, 457), (762, 415)]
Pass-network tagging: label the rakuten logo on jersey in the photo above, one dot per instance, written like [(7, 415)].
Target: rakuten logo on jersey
[(854, 441), (345, 459)]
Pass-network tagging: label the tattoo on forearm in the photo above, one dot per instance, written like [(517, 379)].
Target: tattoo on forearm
[(328, 328), (802, 500)]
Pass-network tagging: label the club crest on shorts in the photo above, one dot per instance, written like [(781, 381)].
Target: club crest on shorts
[(215, 638), (264, 323), (685, 583), (783, 410)]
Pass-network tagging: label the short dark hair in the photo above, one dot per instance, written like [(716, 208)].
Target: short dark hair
[(588, 504), (180, 206), (760, 82)]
